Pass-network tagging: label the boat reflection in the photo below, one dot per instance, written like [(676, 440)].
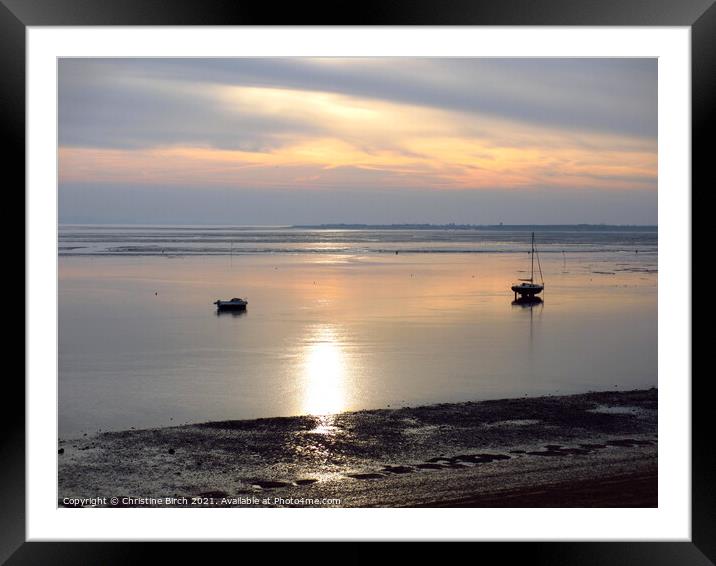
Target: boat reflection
[(530, 304), (527, 302), (231, 313)]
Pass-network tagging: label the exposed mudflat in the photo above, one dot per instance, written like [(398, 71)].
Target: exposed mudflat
[(588, 450)]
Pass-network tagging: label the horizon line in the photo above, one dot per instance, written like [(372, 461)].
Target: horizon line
[(365, 224)]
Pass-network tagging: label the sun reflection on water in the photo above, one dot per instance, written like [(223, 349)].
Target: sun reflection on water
[(324, 376)]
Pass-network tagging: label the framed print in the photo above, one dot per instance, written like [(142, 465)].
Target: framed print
[(420, 275)]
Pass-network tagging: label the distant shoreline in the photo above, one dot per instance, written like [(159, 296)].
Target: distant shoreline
[(490, 227)]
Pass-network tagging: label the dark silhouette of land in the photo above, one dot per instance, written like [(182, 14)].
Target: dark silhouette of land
[(503, 227)]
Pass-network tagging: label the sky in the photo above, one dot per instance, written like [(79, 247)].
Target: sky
[(264, 141)]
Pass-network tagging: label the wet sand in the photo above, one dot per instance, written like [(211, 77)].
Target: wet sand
[(588, 450), (636, 489)]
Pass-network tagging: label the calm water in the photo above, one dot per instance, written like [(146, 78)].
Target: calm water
[(337, 321)]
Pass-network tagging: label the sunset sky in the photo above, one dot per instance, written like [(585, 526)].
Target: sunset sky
[(382, 140)]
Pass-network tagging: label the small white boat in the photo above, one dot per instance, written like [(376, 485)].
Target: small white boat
[(528, 289), (235, 304)]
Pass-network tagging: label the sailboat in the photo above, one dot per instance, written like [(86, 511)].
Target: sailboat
[(528, 289)]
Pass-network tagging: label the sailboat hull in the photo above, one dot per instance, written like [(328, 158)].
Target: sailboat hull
[(528, 289)]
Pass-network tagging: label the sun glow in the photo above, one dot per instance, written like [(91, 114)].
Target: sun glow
[(330, 140), (324, 373)]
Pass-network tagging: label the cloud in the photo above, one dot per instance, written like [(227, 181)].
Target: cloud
[(145, 102), (359, 125), (100, 108)]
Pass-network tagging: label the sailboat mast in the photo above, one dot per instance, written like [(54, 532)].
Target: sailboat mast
[(532, 255)]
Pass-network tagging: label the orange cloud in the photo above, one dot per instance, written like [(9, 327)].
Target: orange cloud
[(357, 141)]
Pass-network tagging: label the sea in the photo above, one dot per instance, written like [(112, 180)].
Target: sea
[(343, 318)]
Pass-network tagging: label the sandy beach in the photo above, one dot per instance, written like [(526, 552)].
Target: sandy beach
[(588, 450)]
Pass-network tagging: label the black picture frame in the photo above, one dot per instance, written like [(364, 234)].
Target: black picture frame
[(700, 15)]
